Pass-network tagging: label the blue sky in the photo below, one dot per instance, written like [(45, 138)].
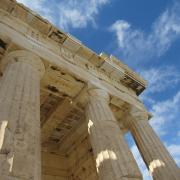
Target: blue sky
[(143, 34)]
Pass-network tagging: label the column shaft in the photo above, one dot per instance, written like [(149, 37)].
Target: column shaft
[(158, 160), (114, 161), (20, 119)]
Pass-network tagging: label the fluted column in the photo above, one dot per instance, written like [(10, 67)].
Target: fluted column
[(20, 116), (114, 161), (158, 160)]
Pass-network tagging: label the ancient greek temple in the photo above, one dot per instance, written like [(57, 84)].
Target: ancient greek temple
[(64, 110)]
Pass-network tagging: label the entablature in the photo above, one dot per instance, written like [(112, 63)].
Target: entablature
[(63, 59), (40, 29)]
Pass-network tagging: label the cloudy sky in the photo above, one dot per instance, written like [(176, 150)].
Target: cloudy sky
[(143, 34)]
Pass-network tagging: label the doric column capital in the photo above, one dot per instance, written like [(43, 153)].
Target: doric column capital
[(99, 94), (25, 57), (138, 114)]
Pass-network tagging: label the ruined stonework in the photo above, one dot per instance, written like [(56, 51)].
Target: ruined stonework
[(64, 110)]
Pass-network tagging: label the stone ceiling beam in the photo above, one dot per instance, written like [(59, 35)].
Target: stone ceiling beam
[(51, 123), (63, 111)]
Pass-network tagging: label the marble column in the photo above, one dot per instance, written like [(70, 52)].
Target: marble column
[(20, 116), (158, 160), (114, 160)]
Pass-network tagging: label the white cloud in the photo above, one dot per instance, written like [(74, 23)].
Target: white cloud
[(39, 6), (78, 13), (67, 13), (136, 45), (121, 27), (165, 113), (35, 4), (159, 79), (174, 150)]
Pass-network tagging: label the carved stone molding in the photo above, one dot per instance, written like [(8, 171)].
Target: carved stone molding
[(25, 57)]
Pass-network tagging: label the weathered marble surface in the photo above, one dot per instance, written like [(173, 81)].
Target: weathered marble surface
[(44, 85)]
